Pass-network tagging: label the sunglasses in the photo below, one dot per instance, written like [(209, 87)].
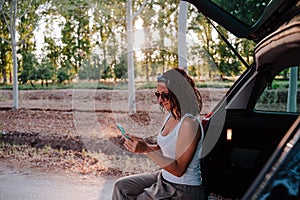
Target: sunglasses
[(163, 96)]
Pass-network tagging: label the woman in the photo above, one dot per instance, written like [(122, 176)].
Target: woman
[(178, 147)]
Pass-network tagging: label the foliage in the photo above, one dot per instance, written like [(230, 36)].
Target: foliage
[(274, 100), (45, 72), (28, 68), (5, 56), (120, 68), (243, 10), (228, 63), (87, 39), (89, 71)]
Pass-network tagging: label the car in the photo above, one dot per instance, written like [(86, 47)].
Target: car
[(248, 130), (280, 177)]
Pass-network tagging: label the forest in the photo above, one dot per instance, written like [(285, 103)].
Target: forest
[(62, 41)]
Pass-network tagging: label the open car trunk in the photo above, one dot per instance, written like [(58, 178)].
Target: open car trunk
[(241, 135), (246, 137)]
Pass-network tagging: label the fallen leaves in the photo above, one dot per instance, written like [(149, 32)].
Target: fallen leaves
[(74, 130), (49, 159)]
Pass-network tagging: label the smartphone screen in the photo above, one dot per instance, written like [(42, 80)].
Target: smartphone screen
[(122, 130)]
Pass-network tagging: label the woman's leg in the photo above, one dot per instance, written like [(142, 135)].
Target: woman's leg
[(190, 192), (130, 187)]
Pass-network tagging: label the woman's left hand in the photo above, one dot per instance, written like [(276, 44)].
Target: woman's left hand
[(136, 145)]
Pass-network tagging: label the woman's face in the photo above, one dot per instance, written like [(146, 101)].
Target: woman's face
[(161, 91)]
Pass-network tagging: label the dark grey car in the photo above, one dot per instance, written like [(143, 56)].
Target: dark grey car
[(247, 132)]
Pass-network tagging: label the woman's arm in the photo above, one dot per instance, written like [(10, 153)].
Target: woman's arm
[(138, 145), (188, 137)]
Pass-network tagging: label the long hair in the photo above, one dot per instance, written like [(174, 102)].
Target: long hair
[(183, 94)]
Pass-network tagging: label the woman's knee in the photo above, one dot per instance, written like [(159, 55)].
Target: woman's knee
[(120, 183)]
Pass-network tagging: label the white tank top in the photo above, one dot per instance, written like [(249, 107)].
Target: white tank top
[(192, 175)]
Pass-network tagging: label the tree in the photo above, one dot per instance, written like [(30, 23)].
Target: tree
[(206, 48), (245, 48), (64, 73), (147, 16), (5, 48), (45, 71), (12, 12), (29, 68), (121, 68), (52, 51), (228, 64), (160, 17), (182, 31), (93, 38), (26, 46), (88, 71), (131, 88), (75, 31), (167, 25), (247, 11)]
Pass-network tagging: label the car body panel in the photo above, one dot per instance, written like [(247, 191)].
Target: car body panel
[(284, 41)]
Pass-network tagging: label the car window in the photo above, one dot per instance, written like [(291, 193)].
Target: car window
[(283, 95), (243, 10), (285, 181)]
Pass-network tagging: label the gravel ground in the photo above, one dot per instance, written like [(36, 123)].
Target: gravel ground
[(73, 131)]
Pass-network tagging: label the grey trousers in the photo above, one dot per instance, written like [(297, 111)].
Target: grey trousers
[(151, 186)]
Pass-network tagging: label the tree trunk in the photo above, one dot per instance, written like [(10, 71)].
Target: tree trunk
[(14, 55), (182, 20), (131, 87)]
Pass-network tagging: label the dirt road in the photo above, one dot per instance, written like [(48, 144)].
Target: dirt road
[(23, 184)]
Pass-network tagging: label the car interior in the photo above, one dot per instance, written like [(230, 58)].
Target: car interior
[(279, 178)]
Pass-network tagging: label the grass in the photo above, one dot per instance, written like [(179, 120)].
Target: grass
[(84, 162), (107, 85), (83, 85)]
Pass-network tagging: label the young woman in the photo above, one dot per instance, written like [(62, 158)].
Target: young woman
[(178, 147)]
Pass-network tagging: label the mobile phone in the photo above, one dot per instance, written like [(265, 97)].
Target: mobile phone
[(122, 130)]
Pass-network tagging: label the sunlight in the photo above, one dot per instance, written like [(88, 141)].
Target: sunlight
[(138, 23), (139, 55), (139, 38)]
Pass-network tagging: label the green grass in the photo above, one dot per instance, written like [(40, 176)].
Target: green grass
[(276, 84), (215, 84), (106, 85), (82, 85)]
